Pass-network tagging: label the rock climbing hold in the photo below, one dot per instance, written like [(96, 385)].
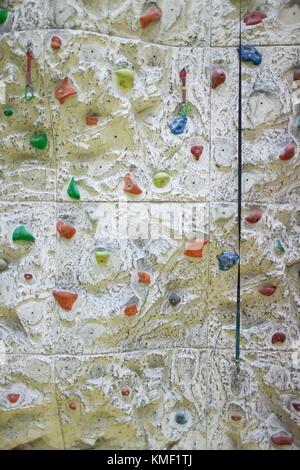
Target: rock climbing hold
[(65, 230), (64, 90), (255, 17), (72, 190), (39, 141), (296, 75), (197, 150), (65, 299), (144, 277), (161, 179), (227, 260), (174, 299), (217, 78), (28, 276), (55, 42), (236, 417), (151, 15), (296, 405), (130, 185), (3, 265), (288, 153), (250, 54), (267, 289), (3, 15), (130, 310), (125, 78), (21, 234), (278, 246), (254, 216), (125, 391), (102, 256), (177, 124), (194, 248), (282, 439), (180, 418), (91, 120), (73, 405), (13, 397), (8, 112), (278, 337)]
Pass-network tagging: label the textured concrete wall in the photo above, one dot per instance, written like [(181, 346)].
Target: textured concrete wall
[(164, 378)]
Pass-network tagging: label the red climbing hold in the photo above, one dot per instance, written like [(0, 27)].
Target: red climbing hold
[(28, 276), (73, 405), (296, 405), (55, 42), (130, 310), (254, 216), (267, 289), (13, 397), (91, 120), (197, 150), (281, 439), (65, 230), (288, 152), (152, 14), (255, 17), (236, 417), (194, 248), (125, 391), (144, 277), (278, 337), (65, 299), (217, 78), (130, 185), (64, 90), (296, 74)]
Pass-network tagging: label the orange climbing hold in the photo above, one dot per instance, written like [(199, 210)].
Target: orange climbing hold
[(194, 248), (130, 185), (64, 90), (152, 14), (91, 120), (130, 310), (144, 277), (65, 230), (288, 153), (13, 397), (65, 299)]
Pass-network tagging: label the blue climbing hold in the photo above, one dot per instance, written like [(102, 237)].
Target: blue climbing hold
[(227, 260), (180, 418), (250, 54), (177, 124)]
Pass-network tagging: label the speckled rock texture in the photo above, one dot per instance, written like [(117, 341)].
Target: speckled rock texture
[(148, 365)]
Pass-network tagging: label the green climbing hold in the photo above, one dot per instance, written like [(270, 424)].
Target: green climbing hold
[(3, 15), (278, 246), (161, 179), (21, 234), (125, 78), (39, 141), (102, 256), (72, 190), (8, 112)]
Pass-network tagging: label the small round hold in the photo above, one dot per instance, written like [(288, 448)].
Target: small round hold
[(161, 179), (217, 78), (254, 216), (267, 289), (91, 120), (296, 405), (8, 112), (254, 18), (236, 417), (288, 153), (130, 310), (282, 439), (56, 42), (278, 338), (180, 418), (196, 151), (13, 397), (125, 391), (28, 276), (174, 299), (73, 405)]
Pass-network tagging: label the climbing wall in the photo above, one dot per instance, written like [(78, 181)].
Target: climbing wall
[(112, 336)]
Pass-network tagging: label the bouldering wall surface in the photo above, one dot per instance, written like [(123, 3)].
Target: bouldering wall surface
[(160, 376)]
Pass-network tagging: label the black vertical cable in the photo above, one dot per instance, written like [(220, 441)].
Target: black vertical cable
[(238, 293)]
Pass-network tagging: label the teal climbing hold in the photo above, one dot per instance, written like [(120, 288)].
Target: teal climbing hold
[(278, 246), (8, 112), (72, 190), (21, 234)]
